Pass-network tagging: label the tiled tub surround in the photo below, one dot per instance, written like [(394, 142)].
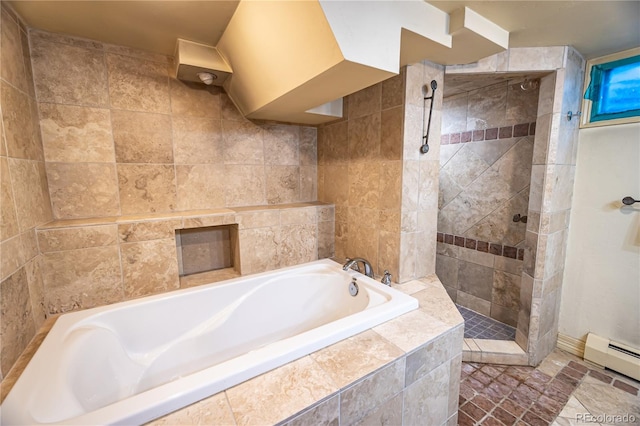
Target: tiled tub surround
[(94, 262), (24, 198), (405, 371), (107, 133), (370, 167), (122, 137), (360, 171)]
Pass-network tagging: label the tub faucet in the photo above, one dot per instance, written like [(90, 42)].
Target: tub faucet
[(368, 270)]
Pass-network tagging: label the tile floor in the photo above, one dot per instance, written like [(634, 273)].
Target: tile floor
[(478, 326), (563, 390)]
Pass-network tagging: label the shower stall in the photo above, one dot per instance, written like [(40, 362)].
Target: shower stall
[(488, 128)]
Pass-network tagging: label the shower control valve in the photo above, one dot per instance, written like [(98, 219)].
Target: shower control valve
[(518, 218)]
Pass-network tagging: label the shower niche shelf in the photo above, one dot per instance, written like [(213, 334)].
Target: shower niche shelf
[(207, 254)]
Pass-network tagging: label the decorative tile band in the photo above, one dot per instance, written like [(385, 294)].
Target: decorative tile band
[(483, 246), (515, 131)]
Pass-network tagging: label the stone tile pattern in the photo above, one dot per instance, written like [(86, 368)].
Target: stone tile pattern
[(121, 136), (512, 394), (89, 263), (482, 280), (485, 161), (478, 326), (485, 173), (556, 392), (420, 172), (552, 179), (360, 171), (21, 363), (369, 166), (602, 394), (24, 198)]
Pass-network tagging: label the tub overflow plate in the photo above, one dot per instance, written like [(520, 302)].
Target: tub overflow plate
[(353, 288)]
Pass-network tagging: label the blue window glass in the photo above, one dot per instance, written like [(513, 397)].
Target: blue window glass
[(615, 89)]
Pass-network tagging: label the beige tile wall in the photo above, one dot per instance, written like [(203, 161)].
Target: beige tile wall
[(554, 163), (483, 282), (419, 205), (384, 190), (120, 258), (360, 171), (483, 184), (122, 137), (24, 198)]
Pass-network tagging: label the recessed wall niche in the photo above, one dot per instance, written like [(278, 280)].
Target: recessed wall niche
[(205, 250)]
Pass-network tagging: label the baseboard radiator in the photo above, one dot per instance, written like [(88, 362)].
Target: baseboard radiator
[(615, 356)]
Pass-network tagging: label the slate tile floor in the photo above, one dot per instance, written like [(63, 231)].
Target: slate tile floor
[(563, 390), (478, 326)]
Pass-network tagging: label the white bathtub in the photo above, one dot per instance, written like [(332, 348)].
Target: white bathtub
[(135, 361)]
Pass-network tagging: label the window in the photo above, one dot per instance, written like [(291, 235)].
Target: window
[(612, 93)]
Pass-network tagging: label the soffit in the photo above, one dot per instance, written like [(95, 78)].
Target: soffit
[(594, 28)]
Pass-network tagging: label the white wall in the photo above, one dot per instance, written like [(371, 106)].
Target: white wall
[(601, 290)]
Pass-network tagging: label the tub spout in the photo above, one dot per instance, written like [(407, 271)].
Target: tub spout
[(353, 263)]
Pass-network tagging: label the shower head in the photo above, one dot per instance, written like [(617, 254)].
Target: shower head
[(434, 85)]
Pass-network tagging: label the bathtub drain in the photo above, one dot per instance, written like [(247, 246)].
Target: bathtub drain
[(353, 288)]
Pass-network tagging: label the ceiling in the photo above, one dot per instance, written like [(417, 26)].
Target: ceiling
[(153, 26), (594, 28)]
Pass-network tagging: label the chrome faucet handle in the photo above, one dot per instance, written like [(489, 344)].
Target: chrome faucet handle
[(351, 264), (386, 278)]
